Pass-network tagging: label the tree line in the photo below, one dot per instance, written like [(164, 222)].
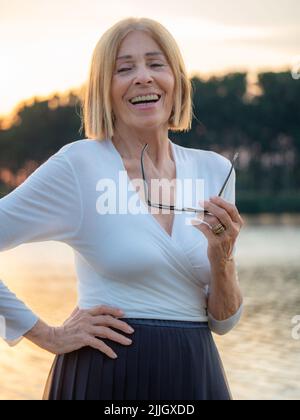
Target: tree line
[(263, 126)]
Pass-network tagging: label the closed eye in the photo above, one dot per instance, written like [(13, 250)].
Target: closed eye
[(127, 68), (119, 71)]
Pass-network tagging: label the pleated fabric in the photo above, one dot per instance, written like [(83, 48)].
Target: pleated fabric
[(167, 360)]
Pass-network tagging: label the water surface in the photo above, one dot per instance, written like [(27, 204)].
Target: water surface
[(260, 357)]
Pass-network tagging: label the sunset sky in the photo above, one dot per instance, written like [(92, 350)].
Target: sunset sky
[(46, 46)]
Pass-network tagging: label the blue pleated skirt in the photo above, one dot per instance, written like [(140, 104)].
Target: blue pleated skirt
[(167, 360)]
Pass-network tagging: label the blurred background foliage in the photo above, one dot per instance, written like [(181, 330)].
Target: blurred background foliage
[(261, 122)]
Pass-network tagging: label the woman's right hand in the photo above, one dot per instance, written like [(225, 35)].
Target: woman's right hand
[(82, 329)]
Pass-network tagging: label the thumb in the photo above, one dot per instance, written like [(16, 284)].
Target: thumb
[(202, 226), (75, 311), (200, 223)]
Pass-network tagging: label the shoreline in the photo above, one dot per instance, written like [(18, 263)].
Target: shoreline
[(285, 219)]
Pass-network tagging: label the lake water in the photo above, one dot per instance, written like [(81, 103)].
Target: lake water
[(260, 357)]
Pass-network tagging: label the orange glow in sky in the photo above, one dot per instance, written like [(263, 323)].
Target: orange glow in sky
[(46, 46)]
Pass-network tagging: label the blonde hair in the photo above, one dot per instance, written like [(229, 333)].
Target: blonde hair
[(98, 117)]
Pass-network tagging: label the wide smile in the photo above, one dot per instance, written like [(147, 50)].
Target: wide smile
[(146, 106)]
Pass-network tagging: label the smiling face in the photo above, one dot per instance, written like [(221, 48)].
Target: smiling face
[(145, 71)]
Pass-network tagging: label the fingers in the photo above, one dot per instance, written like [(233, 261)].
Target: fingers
[(224, 212), (205, 229), (84, 326), (100, 319), (104, 332), (105, 310), (110, 321), (219, 212), (230, 209), (101, 346), (220, 245), (75, 311)]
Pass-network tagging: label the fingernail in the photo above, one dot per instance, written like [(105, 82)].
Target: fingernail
[(121, 312), (130, 329), (114, 355)]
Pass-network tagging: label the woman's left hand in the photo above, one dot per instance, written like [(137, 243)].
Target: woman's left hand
[(220, 246)]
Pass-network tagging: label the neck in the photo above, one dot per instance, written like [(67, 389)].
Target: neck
[(130, 143)]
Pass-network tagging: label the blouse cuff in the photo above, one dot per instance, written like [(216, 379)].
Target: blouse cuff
[(226, 325), (13, 330)]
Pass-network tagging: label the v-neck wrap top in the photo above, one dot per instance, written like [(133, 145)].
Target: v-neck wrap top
[(82, 196)]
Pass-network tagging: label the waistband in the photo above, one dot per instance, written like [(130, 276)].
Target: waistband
[(166, 322)]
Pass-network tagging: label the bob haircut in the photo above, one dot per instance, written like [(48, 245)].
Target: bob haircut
[(98, 115)]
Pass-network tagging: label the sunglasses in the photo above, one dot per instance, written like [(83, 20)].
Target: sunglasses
[(187, 209)]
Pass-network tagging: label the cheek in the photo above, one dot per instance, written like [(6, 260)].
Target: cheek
[(113, 95), (169, 86), (118, 90)]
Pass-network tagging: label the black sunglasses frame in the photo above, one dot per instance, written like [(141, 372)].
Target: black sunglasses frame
[(186, 209)]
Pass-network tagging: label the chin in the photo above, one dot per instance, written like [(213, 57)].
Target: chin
[(149, 126), (149, 122)]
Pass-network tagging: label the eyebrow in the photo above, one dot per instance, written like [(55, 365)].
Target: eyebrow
[(148, 54)]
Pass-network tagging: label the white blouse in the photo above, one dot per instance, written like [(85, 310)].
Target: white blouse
[(123, 258)]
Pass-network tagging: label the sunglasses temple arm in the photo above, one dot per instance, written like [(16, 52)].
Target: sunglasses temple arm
[(173, 207), (231, 169), (225, 183)]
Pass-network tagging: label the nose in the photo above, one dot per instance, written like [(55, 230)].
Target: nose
[(143, 75)]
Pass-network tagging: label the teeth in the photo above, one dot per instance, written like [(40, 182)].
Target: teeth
[(144, 98)]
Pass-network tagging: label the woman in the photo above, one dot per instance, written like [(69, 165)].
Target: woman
[(152, 287)]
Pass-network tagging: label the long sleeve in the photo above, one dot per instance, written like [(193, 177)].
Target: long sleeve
[(15, 317), (46, 206), (226, 325)]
